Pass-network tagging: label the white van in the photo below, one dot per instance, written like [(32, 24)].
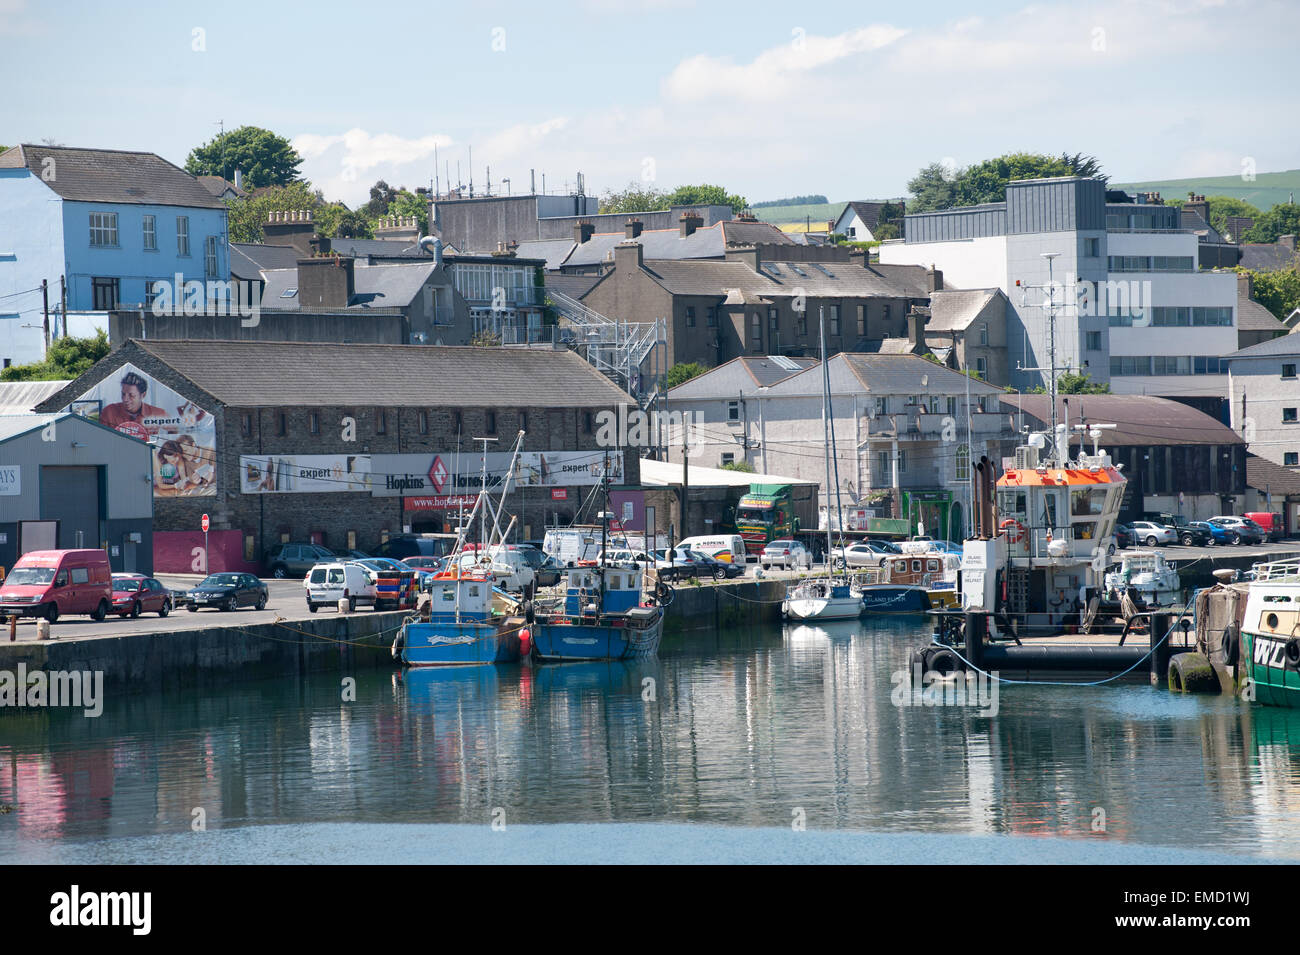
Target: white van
[(729, 548), (327, 584)]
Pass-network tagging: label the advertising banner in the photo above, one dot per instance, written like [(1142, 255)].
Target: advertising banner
[(304, 473), (183, 435), (441, 473)]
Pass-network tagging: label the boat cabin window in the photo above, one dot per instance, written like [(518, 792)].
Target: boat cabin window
[(473, 590), (916, 566), (931, 565), (1049, 509), (900, 566), (1013, 503), (1089, 501)]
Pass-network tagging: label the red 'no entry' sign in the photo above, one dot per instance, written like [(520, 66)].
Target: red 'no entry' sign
[(205, 523)]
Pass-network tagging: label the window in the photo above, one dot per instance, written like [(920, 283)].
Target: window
[(523, 420), (422, 422), (713, 316), (984, 334), (586, 422), (381, 422), (150, 292), (982, 368), (80, 575), (690, 316), (313, 423), (733, 410), (882, 465), (150, 229), (902, 460), (862, 321), (728, 458), (282, 424), (803, 323), (834, 326), (1094, 341), (183, 235), (210, 257), (882, 406), (105, 294), (1288, 371), (884, 313), (491, 422), (1291, 458), (246, 424), (961, 465), (1289, 416), (103, 229), (774, 323), (1092, 248), (756, 329)]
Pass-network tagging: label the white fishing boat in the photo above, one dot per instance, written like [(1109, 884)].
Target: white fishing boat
[(1147, 572)]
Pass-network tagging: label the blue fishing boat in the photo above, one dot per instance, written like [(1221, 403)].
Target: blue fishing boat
[(466, 622), (605, 615)]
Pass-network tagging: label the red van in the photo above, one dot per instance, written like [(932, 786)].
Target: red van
[(52, 583), (1270, 524)]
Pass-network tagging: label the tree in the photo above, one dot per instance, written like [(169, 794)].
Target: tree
[(1071, 383), (739, 466), (245, 217), (1223, 206), (407, 203), (706, 195), (1282, 219), (681, 373), (942, 187), (1277, 290), (66, 359), (812, 200), (381, 197), (264, 158), (633, 198)]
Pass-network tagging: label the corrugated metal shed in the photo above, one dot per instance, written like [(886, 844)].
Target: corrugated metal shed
[(20, 397), (1139, 419)]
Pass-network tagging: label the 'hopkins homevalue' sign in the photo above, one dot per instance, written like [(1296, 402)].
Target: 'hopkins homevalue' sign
[(397, 475)]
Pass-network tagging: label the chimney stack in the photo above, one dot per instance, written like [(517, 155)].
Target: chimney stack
[(292, 227), (689, 222), (325, 282), (582, 231), (1198, 205), (1245, 285), (1287, 242), (934, 279), (632, 228), (628, 256), (916, 320)]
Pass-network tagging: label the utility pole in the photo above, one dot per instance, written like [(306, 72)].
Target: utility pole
[(45, 300), (686, 475), (63, 300)]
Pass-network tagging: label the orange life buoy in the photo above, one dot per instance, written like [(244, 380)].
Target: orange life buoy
[(1014, 529)]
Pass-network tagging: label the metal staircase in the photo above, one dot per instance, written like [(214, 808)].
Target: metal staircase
[(617, 349)]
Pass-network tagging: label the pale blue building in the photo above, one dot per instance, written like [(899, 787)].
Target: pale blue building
[(108, 223)]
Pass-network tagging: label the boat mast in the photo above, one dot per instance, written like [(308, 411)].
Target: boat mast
[(1051, 356), (826, 435)]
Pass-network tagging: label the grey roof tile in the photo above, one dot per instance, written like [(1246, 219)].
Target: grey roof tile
[(1139, 419), (110, 175)]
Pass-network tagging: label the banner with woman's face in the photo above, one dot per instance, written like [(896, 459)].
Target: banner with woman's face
[(183, 435)]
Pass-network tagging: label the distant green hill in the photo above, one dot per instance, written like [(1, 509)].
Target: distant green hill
[(821, 213), (1268, 189)]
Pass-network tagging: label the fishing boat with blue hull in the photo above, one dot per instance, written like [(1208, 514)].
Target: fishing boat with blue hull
[(465, 623), (605, 615), (894, 598)]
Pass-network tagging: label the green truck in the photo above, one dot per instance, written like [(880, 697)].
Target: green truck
[(771, 512)]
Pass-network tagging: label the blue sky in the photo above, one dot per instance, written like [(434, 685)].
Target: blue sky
[(768, 99)]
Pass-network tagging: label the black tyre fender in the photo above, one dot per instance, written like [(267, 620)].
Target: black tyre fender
[(945, 662), (664, 593), (530, 613), (919, 663), (1231, 645), (1292, 651)]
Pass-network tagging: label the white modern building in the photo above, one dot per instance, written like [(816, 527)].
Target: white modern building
[(1118, 277)]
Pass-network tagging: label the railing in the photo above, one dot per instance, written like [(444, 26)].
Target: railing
[(618, 349), (1278, 570)]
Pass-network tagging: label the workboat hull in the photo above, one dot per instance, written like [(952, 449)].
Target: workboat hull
[(1275, 675), (894, 598), (563, 638), (458, 644)]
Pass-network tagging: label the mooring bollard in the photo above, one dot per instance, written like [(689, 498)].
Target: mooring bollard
[(13, 629), (343, 605), (42, 630)]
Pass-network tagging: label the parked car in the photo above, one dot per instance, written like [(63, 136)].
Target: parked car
[(785, 553), (134, 594), (327, 584), (729, 548), (1241, 530), (395, 583), (862, 554), (715, 568), (1218, 533), (1123, 536), (678, 566), (1192, 534), (295, 559), (546, 573), (51, 583), (1269, 523), (1152, 534), (431, 564), (402, 546), (228, 591)]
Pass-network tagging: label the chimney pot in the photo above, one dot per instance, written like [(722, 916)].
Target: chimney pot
[(633, 228), (689, 222), (582, 231)]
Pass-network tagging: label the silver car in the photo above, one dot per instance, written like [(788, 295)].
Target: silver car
[(1153, 534), (785, 553)]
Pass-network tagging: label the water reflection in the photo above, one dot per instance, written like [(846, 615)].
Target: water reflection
[(738, 729)]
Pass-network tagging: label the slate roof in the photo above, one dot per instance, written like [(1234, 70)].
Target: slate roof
[(378, 247), (293, 374), (219, 185), (1281, 346), (655, 244), (868, 211), (247, 259), (1266, 256), (742, 232), (1140, 419), (1253, 317), (781, 279), (374, 286), (952, 310), (574, 286), (1263, 474), (858, 373), (744, 374), (836, 278), (554, 251), (709, 278), (1193, 221), (110, 175)]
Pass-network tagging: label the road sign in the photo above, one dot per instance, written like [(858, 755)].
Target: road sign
[(205, 523)]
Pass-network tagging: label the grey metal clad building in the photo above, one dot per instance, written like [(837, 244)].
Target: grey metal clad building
[(67, 482)]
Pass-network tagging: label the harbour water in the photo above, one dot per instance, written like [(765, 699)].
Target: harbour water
[(782, 730)]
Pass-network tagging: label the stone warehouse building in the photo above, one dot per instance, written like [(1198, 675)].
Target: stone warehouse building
[(346, 444)]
